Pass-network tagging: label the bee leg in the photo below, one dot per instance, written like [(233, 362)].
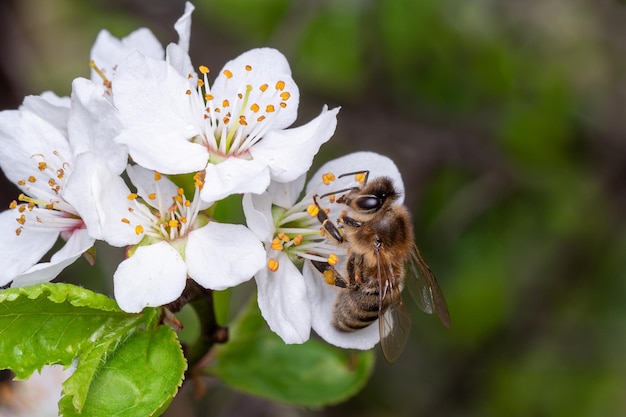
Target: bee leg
[(331, 275), (328, 225), (349, 221)]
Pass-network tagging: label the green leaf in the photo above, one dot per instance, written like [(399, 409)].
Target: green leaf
[(50, 324), (257, 361), (142, 374), (125, 361)]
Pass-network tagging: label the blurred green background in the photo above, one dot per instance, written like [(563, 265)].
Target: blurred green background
[(507, 120)]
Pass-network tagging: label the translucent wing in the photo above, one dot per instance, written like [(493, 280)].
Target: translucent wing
[(424, 288), (394, 323)]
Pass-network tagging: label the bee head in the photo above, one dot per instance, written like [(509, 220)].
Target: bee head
[(373, 196)]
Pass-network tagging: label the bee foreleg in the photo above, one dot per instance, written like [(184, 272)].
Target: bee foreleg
[(349, 221)]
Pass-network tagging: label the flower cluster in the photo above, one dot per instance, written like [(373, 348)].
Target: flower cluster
[(139, 156)]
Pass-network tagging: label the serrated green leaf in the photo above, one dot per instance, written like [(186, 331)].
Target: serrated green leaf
[(139, 377), (257, 361), (50, 324)]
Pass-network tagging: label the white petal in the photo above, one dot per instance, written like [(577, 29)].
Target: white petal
[(285, 194), (180, 60), (322, 298), (101, 199), (258, 211), (289, 153), (377, 165), (183, 27), (108, 51), (269, 66), (158, 116), (21, 252), (283, 300), (22, 135), (220, 256), (50, 107), (94, 123), (234, 176), (155, 275), (76, 245)]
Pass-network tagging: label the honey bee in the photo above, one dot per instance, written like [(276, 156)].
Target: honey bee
[(381, 259)]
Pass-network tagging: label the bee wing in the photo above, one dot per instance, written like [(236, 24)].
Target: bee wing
[(394, 323), (424, 287)]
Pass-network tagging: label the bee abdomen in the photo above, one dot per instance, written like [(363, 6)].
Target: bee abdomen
[(355, 310)]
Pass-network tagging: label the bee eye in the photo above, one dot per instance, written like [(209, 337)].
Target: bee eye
[(368, 203)]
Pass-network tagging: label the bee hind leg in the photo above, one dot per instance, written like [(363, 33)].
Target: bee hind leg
[(331, 275)]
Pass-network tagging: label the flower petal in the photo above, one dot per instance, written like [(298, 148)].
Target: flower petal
[(101, 199), (258, 211), (19, 253), (289, 153), (76, 245), (108, 51), (234, 176), (183, 27), (256, 68), (322, 298), (220, 256), (158, 119), (155, 275), (143, 179), (285, 194), (94, 123), (283, 300)]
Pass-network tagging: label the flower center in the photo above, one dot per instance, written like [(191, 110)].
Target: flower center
[(301, 236), (165, 217), (43, 207), (232, 125)]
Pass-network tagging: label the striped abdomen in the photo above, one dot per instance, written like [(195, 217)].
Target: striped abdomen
[(356, 309)]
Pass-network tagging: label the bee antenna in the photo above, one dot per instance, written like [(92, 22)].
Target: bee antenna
[(338, 191)]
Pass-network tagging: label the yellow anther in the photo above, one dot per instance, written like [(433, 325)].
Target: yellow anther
[(280, 85), (157, 176), (52, 182), (254, 107), (331, 198), (21, 220), (18, 231), (125, 220), (138, 229), (60, 173), (200, 83), (13, 204), (313, 210), (269, 108), (22, 208), (228, 74), (32, 179), (282, 236), (225, 103), (328, 178), (152, 196), (332, 259), (42, 166), (178, 199), (180, 191), (360, 177), (204, 69), (208, 97), (282, 104), (263, 87), (183, 220), (260, 118), (21, 182), (132, 196), (277, 244), (187, 203), (188, 92), (272, 265), (297, 240), (285, 95), (173, 223), (248, 68)]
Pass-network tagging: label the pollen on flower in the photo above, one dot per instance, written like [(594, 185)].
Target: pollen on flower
[(42, 166), (263, 87), (333, 259), (157, 176), (280, 85), (225, 103), (277, 244), (285, 95), (282, 236), (248, 68), (270, 108), (255, 107), (313, 210), (228, 74), (360, 177), (208, 97), (139, 229), (188, 92), (328, 178), (132, 196), (272, 265), (298, 240), (13, 204), (173, 223), (152, 196), (203, 69), (32, 179), (125, 220)]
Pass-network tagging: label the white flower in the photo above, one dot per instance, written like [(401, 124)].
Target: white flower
[(235, 129), (290, 235), (322, 295), (171, 238), (35, 154)]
